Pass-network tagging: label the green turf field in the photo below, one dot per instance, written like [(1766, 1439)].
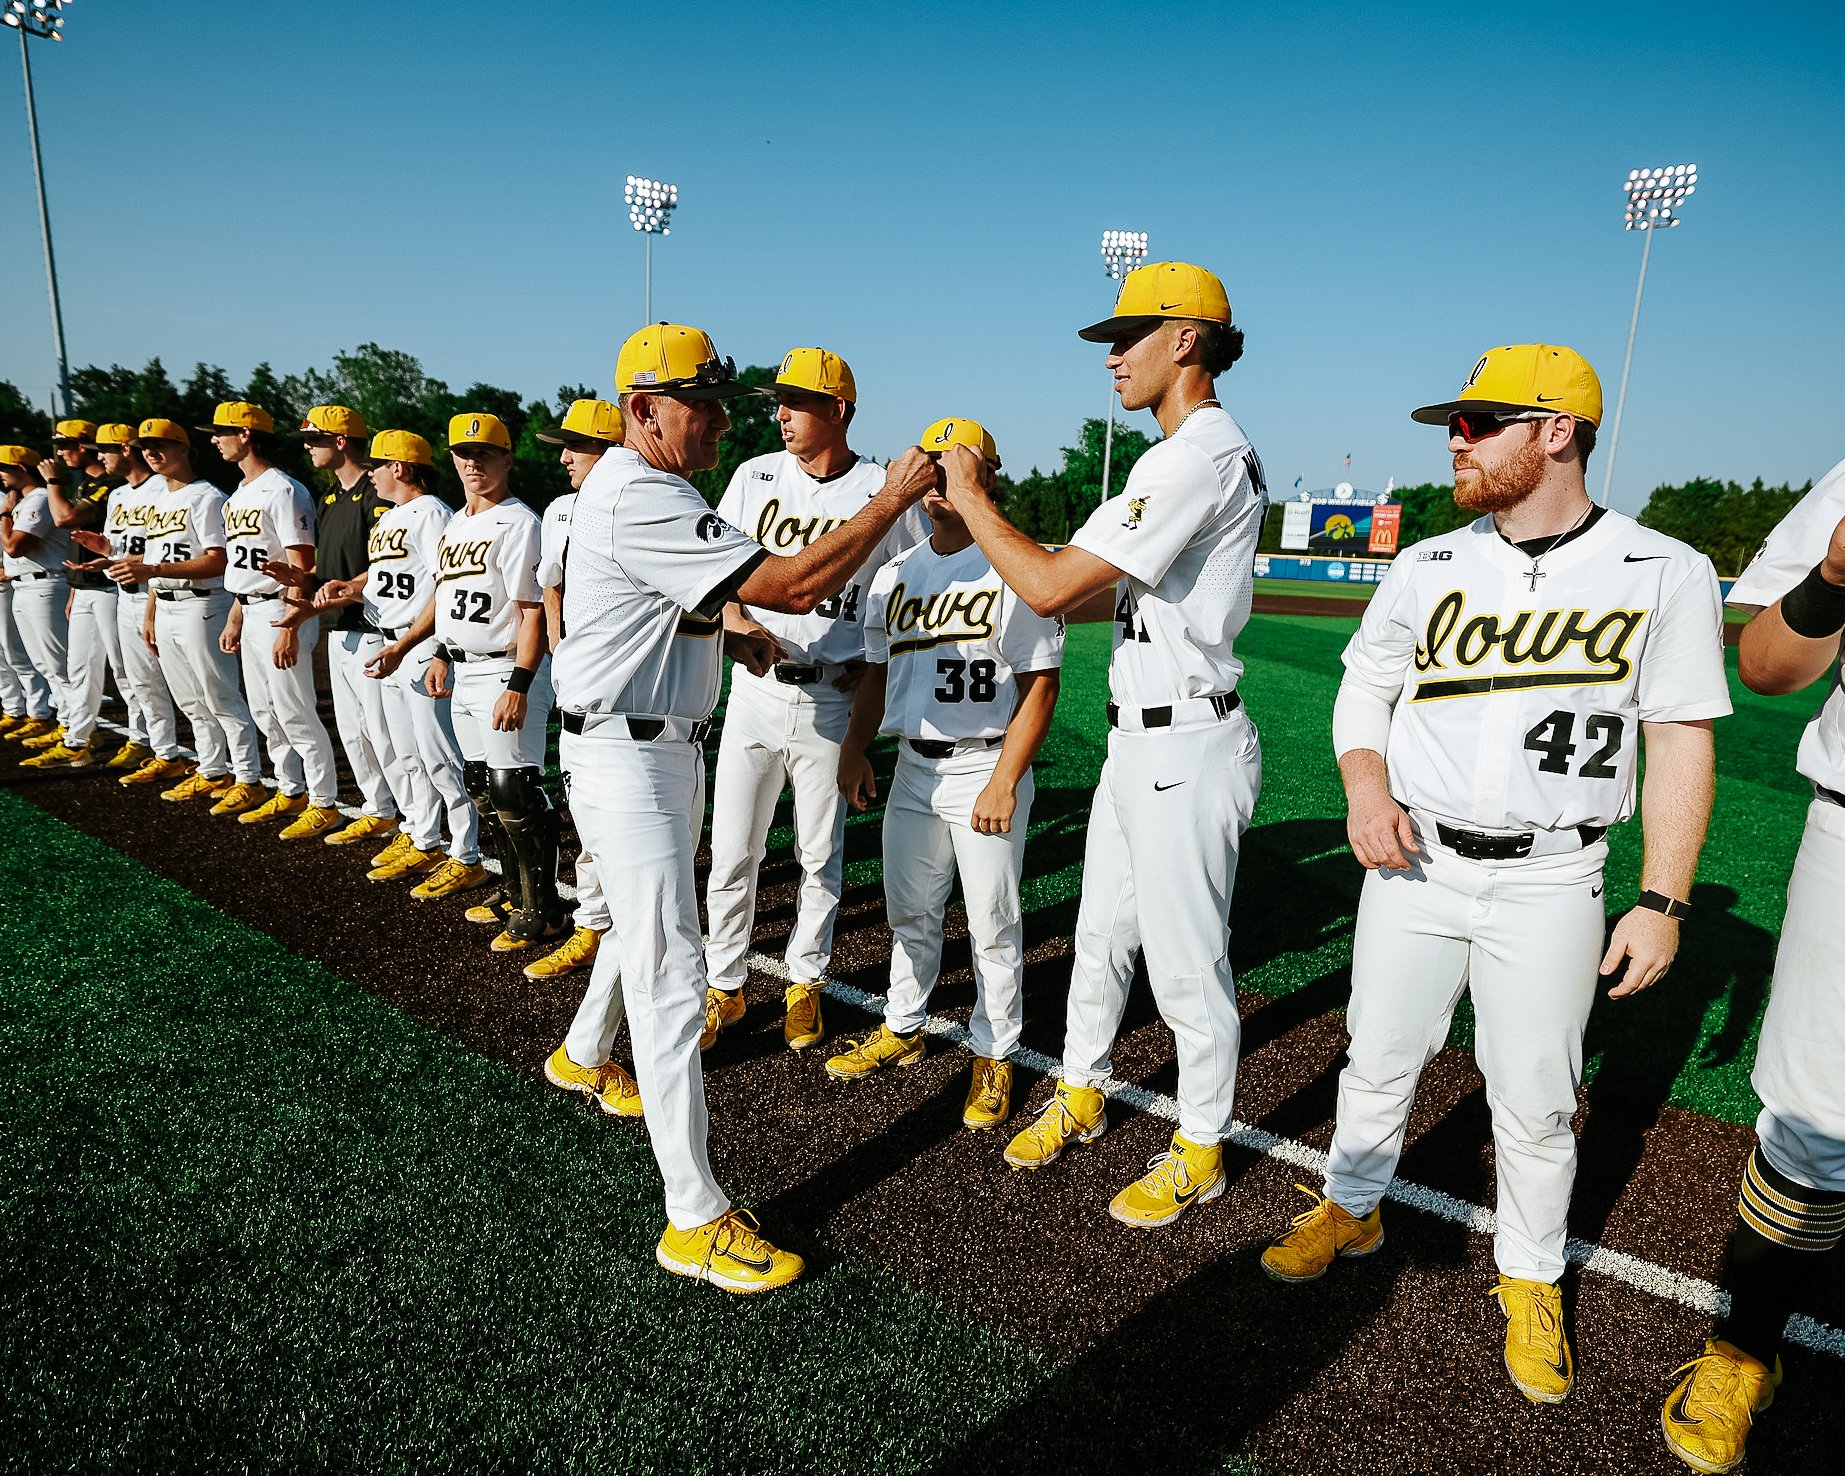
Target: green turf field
[(1314, 587)]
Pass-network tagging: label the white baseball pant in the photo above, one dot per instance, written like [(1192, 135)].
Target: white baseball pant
[(423, 737), (592, 905), (96, 650), (282, 704), (1525, 939), (477, 686), (928, 836), (358, 713), (44, 632), (1799, 1061), (773, 734), (1158, 869), (143, 683), (12, 695), (33, 691), (203, 680), (644, 802)]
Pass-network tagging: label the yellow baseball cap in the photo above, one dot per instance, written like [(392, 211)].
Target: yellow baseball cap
[(1160, 290), (671, 359), (969, 433), (477, 428), (334, 420), (69, 431), (239, 415), (587, 420), (158, 429), (113, 433), (19, 456), (817, 372), (396, 445), (1525, 376)]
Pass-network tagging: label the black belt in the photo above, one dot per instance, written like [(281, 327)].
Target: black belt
[(641, 729), (793, 674), (132, 589), (944, 748), (1831, 796), (181, 594), (256, 599), (1223, 703), (18, 577), (1477, 845), (395, 635), (454, 655)]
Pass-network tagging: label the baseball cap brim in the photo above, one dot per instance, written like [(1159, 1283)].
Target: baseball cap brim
[(729, 389), (1110, 329), (573, 438), (1442, 413)]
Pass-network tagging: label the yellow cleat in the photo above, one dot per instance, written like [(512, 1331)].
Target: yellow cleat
[(364, 828), (46, 736), (1707, 1417), (1188, 1173), (395, 847), (728, 1252), (157, 771), (130, 755), (240, 797), (989, 1095), (273, 808), (1537, 1350), (8, 722), (59, 756), (577, 952), (1319, 1236), (883, 1047), (722, 1009), (516, 937), (612, 1088), (30, 728), (312, 821), (196, 784), (409, 861), (451, 879), (1075, 1114), (495, 910), (801, 1026)]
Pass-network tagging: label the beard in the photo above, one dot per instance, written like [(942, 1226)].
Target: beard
[(1500, 488)]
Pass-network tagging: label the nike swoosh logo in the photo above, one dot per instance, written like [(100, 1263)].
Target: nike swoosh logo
[(1166, 307), (1186, 1196), (1162, 788), (1641, 558), (1548, 399), (763, 1266), (1595, 891)]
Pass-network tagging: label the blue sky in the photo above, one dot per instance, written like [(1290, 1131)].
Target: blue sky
[(1386, 192)]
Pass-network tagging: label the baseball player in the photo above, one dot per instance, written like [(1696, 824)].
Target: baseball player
[(28, 694), (651, 567), (590, 427), (785, 726), (36, 550), (183, 563), (398, 590), (1546, 643), (966, 675), (270, 519), (1791, 1209), (336, 438), (1170, 560), (489, 628)]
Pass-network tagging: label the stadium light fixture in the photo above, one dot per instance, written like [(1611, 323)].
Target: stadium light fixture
[(651, 203), (1654, 197), (46, 22), (1122, 251)]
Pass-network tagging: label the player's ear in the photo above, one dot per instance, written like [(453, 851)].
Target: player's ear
[(1559, 434)]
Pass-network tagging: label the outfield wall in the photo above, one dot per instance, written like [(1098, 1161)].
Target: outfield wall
[(1347, 571)]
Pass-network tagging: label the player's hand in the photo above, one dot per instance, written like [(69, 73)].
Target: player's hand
[(1381, 834), (147, 637), (292, 575), (754, 648), (89, 538), (130, 570), (87, 566), (857, 782), (961, 476), (435, 680), (230, 639), (1648, 940), (385, 662), (993, 810), (287, 646), (49, 469), (911, 475), (509, 712), (337, 592), (848, 680)]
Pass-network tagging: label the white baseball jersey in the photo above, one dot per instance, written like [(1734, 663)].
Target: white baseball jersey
[(1798, 543), (784, 509), (956, 638), (403, 551), (32, 514), (125, 522), (651, 566), (486, 563), (183, 523), (268, 515), (1184, 531), (1520, 707), (554, 541)]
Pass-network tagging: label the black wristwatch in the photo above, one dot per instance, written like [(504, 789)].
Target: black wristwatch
[(1660, 902)]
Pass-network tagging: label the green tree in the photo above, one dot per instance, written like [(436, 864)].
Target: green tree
[(753, 432), (1429, 509), (1722, 520), (21, 422)]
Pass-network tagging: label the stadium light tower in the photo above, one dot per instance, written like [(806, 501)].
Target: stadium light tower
[(1653, 198), (44, 21), (650, 211), (1122, 251)]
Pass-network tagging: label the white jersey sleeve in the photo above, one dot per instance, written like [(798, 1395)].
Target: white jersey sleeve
[(32, 515), (1149, 523), (669, 540), (554, 540), (877, 631), (1681, 678)]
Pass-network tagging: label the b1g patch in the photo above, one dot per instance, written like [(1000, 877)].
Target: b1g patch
[(1435, 555), (710, 528)]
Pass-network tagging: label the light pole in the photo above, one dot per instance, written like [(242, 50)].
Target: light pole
[(650, 211), (44, 21), (1122, 251), (1652, 195)]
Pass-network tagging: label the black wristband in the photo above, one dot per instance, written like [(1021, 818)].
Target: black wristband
[(519, 679), (1815, 607), (1660, 902)]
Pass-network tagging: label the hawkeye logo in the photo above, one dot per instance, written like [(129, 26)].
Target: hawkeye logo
[(243, 522), (775, 531), (940, 619), (1137, 509), (164, 522), (462, 560), (386, 544), (1539, 639)]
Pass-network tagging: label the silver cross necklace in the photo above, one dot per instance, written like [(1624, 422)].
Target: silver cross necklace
[(1534, 573)]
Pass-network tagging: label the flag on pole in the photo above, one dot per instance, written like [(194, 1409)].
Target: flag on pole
[(1297, 481)]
